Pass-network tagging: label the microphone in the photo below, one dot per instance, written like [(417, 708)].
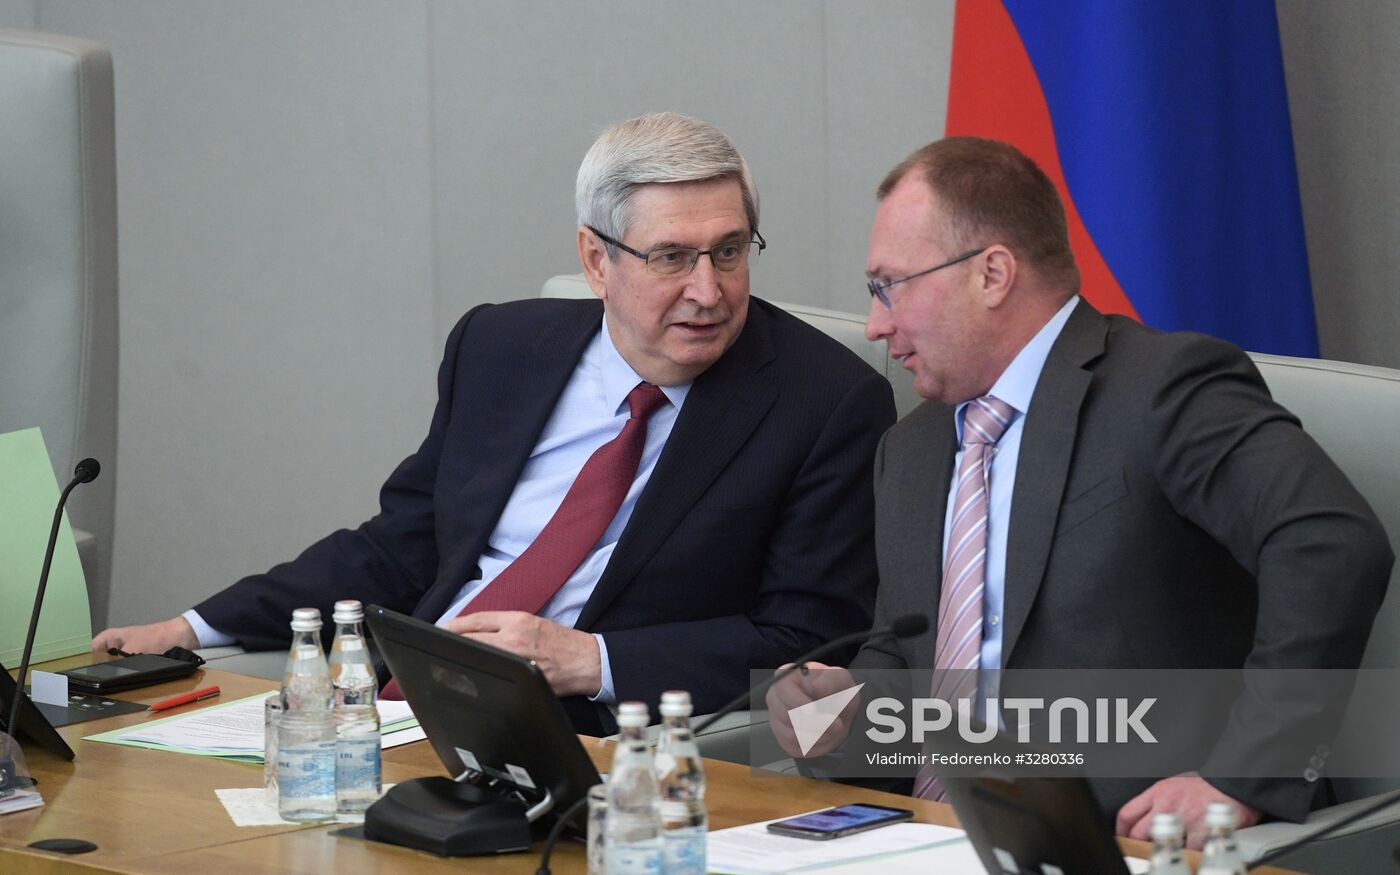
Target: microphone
[(906, 626), (86, 471)]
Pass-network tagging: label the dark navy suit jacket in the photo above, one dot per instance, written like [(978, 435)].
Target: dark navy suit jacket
[(751, 543)]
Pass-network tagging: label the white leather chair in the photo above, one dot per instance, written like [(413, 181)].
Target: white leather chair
[(58, 271), (1327, 396)]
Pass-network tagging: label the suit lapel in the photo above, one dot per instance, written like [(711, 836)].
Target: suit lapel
[(923, 487), (1047, 446), (724, 406), (510, 409)]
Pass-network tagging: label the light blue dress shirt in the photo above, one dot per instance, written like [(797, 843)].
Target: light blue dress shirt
[(591, 411), (1015, 386)]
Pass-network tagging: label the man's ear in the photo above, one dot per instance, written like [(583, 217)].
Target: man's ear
[(997, 274), (593, 255)]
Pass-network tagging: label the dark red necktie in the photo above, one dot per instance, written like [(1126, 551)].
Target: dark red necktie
[(528, 583)]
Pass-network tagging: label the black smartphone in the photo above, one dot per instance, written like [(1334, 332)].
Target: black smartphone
[(128, 672), (840, 821)]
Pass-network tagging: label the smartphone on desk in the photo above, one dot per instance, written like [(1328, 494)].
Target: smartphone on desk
[(840, 821)]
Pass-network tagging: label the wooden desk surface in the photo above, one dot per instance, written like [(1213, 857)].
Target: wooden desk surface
[(156, 812)]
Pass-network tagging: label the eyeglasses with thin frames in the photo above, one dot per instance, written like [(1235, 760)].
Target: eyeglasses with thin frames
[(880, 288), (681, 260)]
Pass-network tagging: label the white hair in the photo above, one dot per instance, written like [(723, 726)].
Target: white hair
[(652, 148)]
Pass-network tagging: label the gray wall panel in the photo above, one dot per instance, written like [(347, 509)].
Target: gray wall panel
[(18, 14), (521, 89), (887, 95), (277, 347), (1342, 62)]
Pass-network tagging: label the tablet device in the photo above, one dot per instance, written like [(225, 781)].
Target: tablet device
[(128, 672)]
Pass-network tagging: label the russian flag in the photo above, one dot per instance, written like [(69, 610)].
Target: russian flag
[(1165, 127)]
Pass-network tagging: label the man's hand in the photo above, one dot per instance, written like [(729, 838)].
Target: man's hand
[(1186, 795), (569, 658), (151, 638), (799, 689)]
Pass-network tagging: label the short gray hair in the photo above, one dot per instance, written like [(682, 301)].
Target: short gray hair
[(657, 147)]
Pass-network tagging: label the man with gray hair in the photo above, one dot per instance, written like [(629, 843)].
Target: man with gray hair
[(662, 488)]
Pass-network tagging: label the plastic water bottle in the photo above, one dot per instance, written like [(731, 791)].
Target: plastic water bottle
[(1220, 856), (632, 843), (681, 776), (306, 730), (357, 744), (1168, 842)]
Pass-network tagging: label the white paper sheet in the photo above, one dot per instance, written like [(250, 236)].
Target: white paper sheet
[(952, 858), (20, 800), (402, 736), (752, 850), (250, 806), (236, 729)]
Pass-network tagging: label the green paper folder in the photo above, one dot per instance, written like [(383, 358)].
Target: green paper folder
[(28, 495)]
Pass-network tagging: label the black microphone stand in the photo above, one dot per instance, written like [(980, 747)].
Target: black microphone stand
[(86, 471), (903, 627)]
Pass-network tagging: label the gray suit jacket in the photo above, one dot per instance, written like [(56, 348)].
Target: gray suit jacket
[(1166, 514)]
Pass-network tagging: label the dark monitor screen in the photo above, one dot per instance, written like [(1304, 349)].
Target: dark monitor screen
[(33, 726), (484, 710), (1027, 823)]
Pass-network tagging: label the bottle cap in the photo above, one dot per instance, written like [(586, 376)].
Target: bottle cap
[(1166, 826), (1221, 815), (632, 714), (306, 620), (349, 611), (676, 703)]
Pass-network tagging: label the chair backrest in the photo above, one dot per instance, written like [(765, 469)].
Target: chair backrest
[(58, 268), (1327, 396), (847, 328)]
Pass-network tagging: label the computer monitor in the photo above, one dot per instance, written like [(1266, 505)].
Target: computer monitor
[(486, 712), (33, 725), (1021, 823)]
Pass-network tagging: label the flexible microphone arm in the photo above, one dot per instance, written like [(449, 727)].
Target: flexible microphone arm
[(86, 472), (1384, 802), (906, 626)]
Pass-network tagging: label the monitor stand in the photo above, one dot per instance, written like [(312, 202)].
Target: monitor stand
[(451, 818)]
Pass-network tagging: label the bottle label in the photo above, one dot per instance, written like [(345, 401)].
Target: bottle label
[(685, 851), (633, 858), (357, 764), (306, 771)]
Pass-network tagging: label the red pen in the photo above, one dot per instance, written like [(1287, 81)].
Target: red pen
[(184, 699)]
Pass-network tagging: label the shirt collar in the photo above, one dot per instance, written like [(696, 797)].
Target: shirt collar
[(618, 378), (1016, 384)]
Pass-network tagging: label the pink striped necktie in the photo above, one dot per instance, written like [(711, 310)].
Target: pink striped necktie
[(959, 646), (588, 508)]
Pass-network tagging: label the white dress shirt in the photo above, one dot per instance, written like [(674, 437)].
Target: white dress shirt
[(1015, 386)]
